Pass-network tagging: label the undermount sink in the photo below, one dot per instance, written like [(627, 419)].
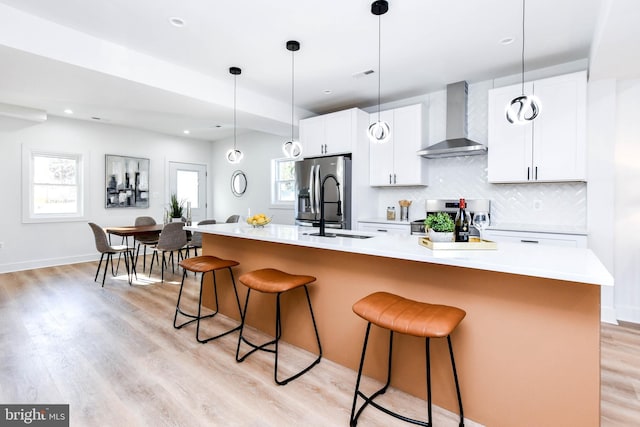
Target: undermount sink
[(351, 236)]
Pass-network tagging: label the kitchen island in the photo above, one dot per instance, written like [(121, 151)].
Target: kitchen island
[(528, 351)]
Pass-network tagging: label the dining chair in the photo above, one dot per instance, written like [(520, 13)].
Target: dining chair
[(147, 239), (103, 246), (233, 218), (172, 238), (196, 237)]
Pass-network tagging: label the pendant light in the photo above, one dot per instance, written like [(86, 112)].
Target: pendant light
[(234, 155), (379, 131), (292, 148), (523, 108)]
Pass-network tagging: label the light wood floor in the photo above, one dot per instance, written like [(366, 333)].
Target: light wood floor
[(114, 356)]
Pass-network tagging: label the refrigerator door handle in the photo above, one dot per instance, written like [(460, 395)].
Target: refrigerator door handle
[(312, 199), (317, 188)]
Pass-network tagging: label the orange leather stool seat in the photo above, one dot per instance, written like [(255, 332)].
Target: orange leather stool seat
[(409, 317), (405, 316), (205, 264), (272, 281)]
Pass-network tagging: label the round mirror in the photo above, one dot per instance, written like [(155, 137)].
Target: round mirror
[(238, 183)]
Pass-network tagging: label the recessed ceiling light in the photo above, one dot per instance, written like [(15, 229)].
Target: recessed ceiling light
[(186, 131), (176, 22), (507, 40), (327, 91), (68, 111)]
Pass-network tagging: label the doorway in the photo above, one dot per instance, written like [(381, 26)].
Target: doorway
[(189, 182)]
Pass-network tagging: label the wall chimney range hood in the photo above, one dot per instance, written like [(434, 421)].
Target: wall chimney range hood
[(456, 142)]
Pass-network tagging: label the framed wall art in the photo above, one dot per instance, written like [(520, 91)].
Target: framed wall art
[(127, 182)]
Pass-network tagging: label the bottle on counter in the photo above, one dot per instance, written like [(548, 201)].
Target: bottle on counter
[(391, 213), (463, 222)]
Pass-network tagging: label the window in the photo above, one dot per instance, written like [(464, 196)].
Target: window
[(283, 183), (53, 188)]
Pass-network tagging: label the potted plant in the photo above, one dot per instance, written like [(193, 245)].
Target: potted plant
[(175, 208), (441, 227)]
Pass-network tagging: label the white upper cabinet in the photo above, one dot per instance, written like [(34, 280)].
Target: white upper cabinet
[(395, 162), (328, 134), (550, 148)]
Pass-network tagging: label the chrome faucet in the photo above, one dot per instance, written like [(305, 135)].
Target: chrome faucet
[(322, 202)]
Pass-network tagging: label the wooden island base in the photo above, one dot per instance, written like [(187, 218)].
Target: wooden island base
[(527, 352)]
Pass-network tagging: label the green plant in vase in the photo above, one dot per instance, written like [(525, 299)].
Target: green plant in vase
[(440, 227), (176, 207)]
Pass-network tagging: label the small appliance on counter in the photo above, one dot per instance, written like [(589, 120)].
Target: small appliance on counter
[(450, 206), (404, 209)]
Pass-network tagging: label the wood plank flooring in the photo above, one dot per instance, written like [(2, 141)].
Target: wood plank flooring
[(114, 356)]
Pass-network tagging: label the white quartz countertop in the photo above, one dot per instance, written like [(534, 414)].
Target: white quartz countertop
[(551, 262)]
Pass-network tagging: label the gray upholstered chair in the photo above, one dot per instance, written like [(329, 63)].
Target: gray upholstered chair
[(233, 218), (173, 238), (196, 238), (103, 246), (145, 240)]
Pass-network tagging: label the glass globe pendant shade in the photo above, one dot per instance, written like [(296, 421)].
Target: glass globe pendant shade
[(523, 109), (379, 132), (234, 156), (292, 149)]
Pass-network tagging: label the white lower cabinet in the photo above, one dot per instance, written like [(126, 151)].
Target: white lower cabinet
[(403, 229), (533, 238)]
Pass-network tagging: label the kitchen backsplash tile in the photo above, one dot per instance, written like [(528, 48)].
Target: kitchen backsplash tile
[(557, 204)]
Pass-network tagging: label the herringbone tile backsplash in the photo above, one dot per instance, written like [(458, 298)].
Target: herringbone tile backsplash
[(544, 204)]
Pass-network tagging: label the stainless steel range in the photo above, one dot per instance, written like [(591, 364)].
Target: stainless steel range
[(451, 206)]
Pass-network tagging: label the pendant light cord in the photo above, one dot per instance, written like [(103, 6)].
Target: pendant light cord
[(235, 84), (522, 57), (292, 89), (379, 50)]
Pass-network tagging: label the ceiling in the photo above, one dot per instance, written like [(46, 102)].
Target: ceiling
[(122, 62)]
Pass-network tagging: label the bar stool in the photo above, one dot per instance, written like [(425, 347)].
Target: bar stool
[(405, 316), (205, 264), (274, 281)]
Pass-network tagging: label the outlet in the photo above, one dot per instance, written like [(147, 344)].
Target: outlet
[(537, 205)]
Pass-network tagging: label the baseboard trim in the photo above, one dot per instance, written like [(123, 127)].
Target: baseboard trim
[(49, 262)]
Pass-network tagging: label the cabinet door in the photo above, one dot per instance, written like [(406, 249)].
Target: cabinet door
[(312, 136), (510, 145), (559, 143), (338, 132), (381, 154), (407, 140)]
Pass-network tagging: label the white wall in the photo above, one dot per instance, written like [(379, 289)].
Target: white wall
[(35, 245), (259, 149), (627, 201)]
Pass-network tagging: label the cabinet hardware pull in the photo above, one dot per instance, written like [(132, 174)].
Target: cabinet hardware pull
[(528, 241), (394, 179), (536, 173), (384, 231), (389, 178), (528, 170)]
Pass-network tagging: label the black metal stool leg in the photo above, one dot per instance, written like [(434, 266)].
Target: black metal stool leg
[(455, 377), (197, 318), (278, 333)]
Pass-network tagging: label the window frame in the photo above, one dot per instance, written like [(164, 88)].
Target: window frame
[(28, 214), (275, 202)]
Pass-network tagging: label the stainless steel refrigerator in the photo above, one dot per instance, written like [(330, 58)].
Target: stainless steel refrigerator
[(310, 175)]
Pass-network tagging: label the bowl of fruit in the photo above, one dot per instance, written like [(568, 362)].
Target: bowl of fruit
[(258, 220)]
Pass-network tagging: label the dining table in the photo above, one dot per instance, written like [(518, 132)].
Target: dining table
[(146, 232)]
